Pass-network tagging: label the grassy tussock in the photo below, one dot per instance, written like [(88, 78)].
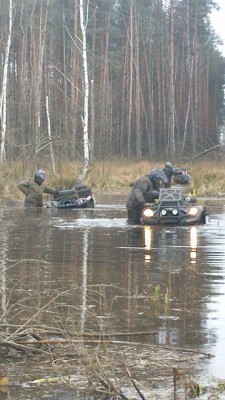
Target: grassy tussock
[(207, 177)]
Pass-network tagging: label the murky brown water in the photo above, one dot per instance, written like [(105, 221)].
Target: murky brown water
[(84, 271)]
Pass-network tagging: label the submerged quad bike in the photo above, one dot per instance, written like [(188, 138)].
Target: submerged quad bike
[(183, 178), (78, 197), (173, 208)]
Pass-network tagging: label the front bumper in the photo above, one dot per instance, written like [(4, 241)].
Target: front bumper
[(183, 217)]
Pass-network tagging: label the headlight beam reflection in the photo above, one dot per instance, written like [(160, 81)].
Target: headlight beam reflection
[(193, 244), (148, 243)]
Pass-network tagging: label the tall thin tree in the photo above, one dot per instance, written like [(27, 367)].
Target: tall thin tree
[(3, 102), (83, 25), (171, 126)]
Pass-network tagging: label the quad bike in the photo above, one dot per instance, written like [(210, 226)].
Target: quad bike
[(78, 197), (182, 179), (173, 208)]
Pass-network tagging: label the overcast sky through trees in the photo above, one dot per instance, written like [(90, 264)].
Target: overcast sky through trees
[(218, 22)]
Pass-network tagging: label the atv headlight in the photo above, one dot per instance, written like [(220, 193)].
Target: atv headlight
[(193, 211), (148, 212), (163, 212), (174, 211)]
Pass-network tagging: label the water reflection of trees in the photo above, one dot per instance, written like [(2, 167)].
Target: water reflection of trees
[(114, 279)]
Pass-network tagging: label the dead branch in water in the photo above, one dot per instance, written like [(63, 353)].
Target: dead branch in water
[(135, 385), (19, 343)]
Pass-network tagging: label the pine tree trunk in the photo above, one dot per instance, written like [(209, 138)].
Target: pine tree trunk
[(74, 82), (130, 97), (38, 34), (137, 87), (171, 130)]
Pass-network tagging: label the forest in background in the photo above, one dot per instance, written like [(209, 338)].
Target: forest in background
[(155, 78)]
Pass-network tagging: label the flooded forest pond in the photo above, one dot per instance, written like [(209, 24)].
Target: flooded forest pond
[(109, 302)]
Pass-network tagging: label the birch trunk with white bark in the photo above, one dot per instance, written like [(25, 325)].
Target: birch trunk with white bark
[(83, 25), (3, 102), (50, 136)]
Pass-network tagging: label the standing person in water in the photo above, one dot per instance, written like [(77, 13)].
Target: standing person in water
[(144, 191), (33, 190)]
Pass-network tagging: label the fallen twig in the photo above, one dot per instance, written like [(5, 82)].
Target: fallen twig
[(135, 386), (100, 341)]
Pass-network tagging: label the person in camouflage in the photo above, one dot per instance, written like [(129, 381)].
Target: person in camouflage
[(144, 191), (33, 190), (170, 170)]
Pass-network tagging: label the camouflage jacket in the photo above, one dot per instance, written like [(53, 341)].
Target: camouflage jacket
[(169, 172), (142, 192), (34, 193)]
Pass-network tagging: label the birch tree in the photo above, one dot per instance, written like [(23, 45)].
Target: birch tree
[(3, 99), (155, 78), (50, 135), (83, 25)]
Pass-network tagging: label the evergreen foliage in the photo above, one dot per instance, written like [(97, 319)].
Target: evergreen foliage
[(156, 77)]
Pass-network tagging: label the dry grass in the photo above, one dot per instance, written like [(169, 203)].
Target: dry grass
[(96, 363), (207, 177)]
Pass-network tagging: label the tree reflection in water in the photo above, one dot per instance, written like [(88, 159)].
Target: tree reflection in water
[(98, 273)]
